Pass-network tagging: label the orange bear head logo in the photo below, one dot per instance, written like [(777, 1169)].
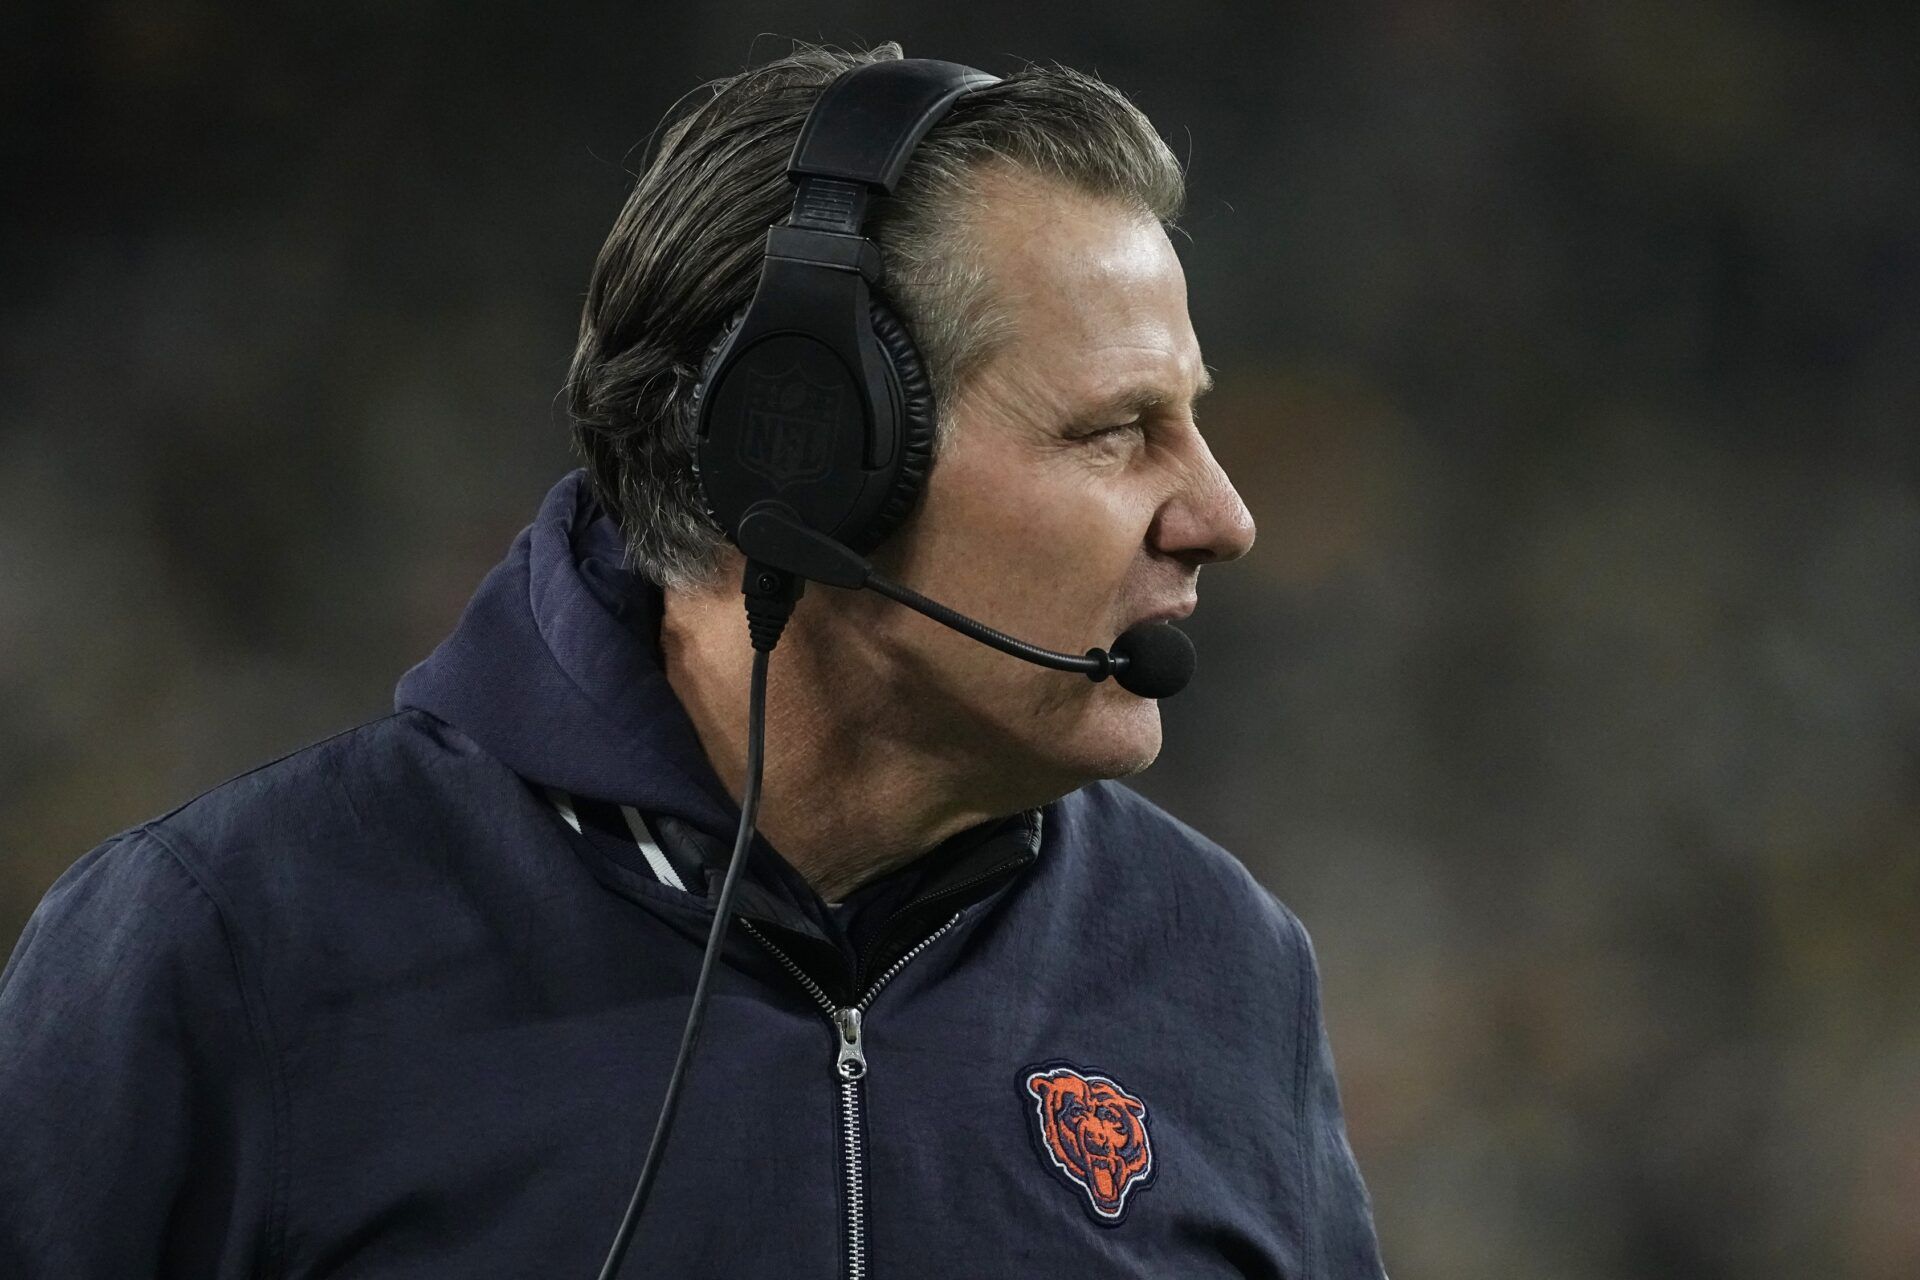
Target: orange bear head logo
[(1094, 1133)]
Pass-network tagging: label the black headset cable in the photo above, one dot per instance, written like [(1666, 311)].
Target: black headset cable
[(770, 594)]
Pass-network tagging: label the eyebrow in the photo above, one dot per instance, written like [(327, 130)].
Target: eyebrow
[(1140, 400)]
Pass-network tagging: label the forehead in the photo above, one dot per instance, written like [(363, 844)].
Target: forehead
[(1095, 293)]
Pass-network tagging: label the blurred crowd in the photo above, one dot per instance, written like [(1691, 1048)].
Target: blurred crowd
[(1569, 359)]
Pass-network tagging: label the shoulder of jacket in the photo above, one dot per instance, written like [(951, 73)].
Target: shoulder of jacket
[(372, 746), (351, 784), (1125, 838), (130, 870)]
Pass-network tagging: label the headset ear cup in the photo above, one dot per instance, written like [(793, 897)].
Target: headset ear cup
[(919, 420), (698, 394)]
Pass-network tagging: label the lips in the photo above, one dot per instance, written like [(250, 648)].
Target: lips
[(1172, 613)]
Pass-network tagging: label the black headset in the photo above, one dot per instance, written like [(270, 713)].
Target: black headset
[(814, 395)]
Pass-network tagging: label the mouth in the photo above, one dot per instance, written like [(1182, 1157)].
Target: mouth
[(1172, 613)]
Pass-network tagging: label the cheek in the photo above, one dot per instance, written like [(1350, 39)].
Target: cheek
[(1063, 531)]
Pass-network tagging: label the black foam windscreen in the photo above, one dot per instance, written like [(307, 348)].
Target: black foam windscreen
[(1159, 659)]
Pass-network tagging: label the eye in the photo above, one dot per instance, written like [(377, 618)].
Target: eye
[(1107, 432)]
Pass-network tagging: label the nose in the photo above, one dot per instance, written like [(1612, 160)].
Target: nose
[(1203, 521)]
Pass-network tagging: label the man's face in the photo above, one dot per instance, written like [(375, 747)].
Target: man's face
[(1063, 508)]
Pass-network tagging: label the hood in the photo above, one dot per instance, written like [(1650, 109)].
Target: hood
[(554, 668)]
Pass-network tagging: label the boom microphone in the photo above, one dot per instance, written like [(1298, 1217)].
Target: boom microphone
[(1150, 659), (1156, 657)]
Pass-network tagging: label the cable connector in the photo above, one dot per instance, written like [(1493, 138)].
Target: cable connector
[(770, 595)]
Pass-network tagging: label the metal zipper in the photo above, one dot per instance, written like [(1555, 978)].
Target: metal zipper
[(850, 1068)]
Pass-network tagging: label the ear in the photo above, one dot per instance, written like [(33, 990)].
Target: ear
[(1037, 1084), (1136, 1106)]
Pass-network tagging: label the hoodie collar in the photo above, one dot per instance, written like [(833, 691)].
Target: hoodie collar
[(554, 668)]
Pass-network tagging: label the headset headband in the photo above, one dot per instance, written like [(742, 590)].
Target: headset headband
[(868, 122), (858, 137)]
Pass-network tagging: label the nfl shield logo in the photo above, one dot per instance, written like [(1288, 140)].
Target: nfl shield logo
[(790, 426)]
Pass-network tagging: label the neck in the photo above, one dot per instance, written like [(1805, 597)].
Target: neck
[(859, 777)]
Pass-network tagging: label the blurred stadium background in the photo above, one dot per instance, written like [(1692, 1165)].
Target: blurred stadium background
[(1569, 359)]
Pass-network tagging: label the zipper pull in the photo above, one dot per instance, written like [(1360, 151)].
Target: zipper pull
[(852, 1062)]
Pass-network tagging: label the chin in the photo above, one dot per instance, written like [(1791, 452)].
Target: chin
[(1049, 733), (1119, 738)]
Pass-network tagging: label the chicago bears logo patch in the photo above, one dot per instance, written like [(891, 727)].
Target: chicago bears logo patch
[(1092, 1133)]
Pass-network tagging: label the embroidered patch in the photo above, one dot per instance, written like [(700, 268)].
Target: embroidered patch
[(1092, 1133)]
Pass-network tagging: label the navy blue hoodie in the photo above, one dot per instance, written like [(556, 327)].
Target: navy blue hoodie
[(403, 1003)]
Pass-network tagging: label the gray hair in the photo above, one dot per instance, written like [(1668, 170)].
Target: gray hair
[(685, 254)]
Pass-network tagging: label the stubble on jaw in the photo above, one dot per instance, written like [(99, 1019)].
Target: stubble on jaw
[(1001, 729)]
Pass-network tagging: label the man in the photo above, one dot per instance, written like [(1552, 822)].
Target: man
[(404, 1002)]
